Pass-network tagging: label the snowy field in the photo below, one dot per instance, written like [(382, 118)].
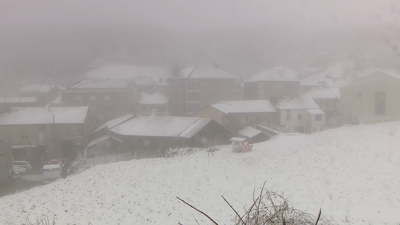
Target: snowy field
[(352, 173)]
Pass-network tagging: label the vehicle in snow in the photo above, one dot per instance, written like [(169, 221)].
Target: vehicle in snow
[(21, 167), (52, 170)]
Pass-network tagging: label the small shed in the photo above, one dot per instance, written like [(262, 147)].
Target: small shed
[(240, 144), (254, 135)]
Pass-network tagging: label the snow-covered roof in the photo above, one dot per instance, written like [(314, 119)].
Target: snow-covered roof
[(45, 115), (101, 84), (129, 71), (298, 102), (315, 111), (196, 127), (276, 74), (159, 126), (114, 122), (338, 83), (324, 93), (250, 132), (98, 140), (144, 94), (238, 139), (154, 99), (37, 88), (245, 106), (203, 72), (18, 99)]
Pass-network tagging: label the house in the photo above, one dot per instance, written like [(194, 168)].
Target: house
[(148, 135), (100, 138), (300, 114), (155, 103), (7, 103), (236, 115), (43, 93), (107, 99), (272, 83), (148, 78), (372, 97), (195, 87), (328, 100), (6, 161), (42, 133)]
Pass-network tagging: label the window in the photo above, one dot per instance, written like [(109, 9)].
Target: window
[(299, 117), (380, 102), (78, 97), (194, 85), (92, 97), (359, 95), (24, 137), (288, 117), (192, 96), (162, 108), (318, 117)]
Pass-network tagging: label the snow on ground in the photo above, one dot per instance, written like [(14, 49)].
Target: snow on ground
[(350, 172)]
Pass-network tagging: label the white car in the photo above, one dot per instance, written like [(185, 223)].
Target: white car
[(51, 172), (21, 166)]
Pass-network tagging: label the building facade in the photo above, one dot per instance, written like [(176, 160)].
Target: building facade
[(272, 83), (41, 133), (374, 97), (107, 99), (6, 161), (193, 88)]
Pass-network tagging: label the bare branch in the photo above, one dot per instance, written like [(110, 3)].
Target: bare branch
[(234, 210), (198, 210), (319, 216)]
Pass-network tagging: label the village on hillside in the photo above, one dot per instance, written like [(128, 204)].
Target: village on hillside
[(143, 111)]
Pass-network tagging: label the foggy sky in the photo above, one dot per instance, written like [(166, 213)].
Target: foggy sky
[(200, 14)]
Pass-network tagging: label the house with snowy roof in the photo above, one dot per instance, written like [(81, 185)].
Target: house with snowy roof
[(272, 83), (155, 103), (300, 114), (40, 133), (328, 100), (372, 97), (195, 87), (6, 103), (43, 93), (237, 115), (149, 136), (107, 99)]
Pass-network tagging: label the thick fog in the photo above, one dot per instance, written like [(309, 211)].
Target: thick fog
[(63, 38)]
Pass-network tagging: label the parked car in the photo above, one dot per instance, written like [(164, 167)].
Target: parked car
[(21, 167), (51, 172)]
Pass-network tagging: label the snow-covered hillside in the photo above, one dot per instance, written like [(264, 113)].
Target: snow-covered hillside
[(352, 173)]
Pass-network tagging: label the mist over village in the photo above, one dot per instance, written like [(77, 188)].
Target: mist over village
[(199, 112)]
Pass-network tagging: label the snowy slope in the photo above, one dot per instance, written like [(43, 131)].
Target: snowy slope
[(350, 172)]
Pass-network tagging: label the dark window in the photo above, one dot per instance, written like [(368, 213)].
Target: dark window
[(318, 117), (359, 95), (24, 137), (380, 102), (300, 117)]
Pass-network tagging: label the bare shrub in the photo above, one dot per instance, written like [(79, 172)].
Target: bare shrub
[(271, 208)]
